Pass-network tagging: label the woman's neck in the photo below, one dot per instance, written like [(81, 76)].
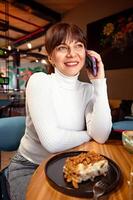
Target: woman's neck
[(69, 82)]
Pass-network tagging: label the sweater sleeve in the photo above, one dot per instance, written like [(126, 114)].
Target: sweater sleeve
[(40, 105), (98, 115)]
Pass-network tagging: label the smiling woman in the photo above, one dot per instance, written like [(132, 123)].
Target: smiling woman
[(66, 50), (69, 57), (62, 112)]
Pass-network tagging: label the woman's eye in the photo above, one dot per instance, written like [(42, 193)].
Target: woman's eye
[(79, 46), (62, 48)]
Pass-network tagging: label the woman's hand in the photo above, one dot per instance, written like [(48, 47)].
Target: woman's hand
[(100, 66)]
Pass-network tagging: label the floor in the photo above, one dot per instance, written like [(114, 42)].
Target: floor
[(5, 158)]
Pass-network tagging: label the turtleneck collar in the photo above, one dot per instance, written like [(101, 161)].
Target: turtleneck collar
[(67, 82)]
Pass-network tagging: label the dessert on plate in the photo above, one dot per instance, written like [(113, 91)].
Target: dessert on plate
[(85, 166)]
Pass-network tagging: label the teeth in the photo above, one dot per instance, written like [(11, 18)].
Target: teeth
[(71, 63)]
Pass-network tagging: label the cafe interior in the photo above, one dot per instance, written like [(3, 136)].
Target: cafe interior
[(23, 24)]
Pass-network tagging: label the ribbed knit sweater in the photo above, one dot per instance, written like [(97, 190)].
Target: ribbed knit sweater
[(62, 113)]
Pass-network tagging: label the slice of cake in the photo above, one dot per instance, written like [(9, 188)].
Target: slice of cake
[(86, 165)]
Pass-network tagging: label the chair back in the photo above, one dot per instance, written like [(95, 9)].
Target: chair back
[(124, 125), (11, 131)]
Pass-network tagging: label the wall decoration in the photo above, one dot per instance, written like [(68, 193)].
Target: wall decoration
[(112, 37), (25, 71)]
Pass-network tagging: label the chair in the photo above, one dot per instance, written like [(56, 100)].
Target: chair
[(11, 132), (120, 126), (124, 125), (5, 108)]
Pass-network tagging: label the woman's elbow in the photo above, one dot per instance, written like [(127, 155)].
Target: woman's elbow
[(103, 136), (101, 140)]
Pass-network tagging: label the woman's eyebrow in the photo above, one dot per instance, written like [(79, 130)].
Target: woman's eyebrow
[(62, 43), (75, 41)]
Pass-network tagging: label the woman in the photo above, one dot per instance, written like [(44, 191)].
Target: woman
[(60, 107)]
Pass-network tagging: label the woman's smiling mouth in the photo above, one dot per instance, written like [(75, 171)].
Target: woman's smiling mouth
[(71, 64)]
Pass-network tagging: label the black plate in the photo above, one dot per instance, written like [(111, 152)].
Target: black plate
[(54, 174)]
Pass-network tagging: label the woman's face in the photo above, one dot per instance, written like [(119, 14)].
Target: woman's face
[(69, 57)]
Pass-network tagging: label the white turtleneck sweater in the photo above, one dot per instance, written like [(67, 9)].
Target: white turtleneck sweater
[(59, 110)]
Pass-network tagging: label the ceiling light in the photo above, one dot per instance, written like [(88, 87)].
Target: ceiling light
[(29, 45), (9, 48), (44, 62)]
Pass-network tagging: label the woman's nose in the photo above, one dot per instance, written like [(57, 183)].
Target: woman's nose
[(71, 52)]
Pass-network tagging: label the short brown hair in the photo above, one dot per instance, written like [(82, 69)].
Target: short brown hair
[(59, 32)]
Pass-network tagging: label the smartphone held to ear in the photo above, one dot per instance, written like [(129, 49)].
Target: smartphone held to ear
[(91, 64)]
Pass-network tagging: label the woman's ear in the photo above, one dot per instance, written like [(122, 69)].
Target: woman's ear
[(50, 60)]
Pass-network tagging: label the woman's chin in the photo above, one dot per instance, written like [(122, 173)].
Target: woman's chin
[(71, 72)]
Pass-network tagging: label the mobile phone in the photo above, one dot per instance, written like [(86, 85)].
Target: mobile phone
[(90, 63)]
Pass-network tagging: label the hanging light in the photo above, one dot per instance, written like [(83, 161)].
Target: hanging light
[(29, 45), (9, 48), (43, 61)]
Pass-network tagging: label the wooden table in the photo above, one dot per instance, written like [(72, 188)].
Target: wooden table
[(39, 188)]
